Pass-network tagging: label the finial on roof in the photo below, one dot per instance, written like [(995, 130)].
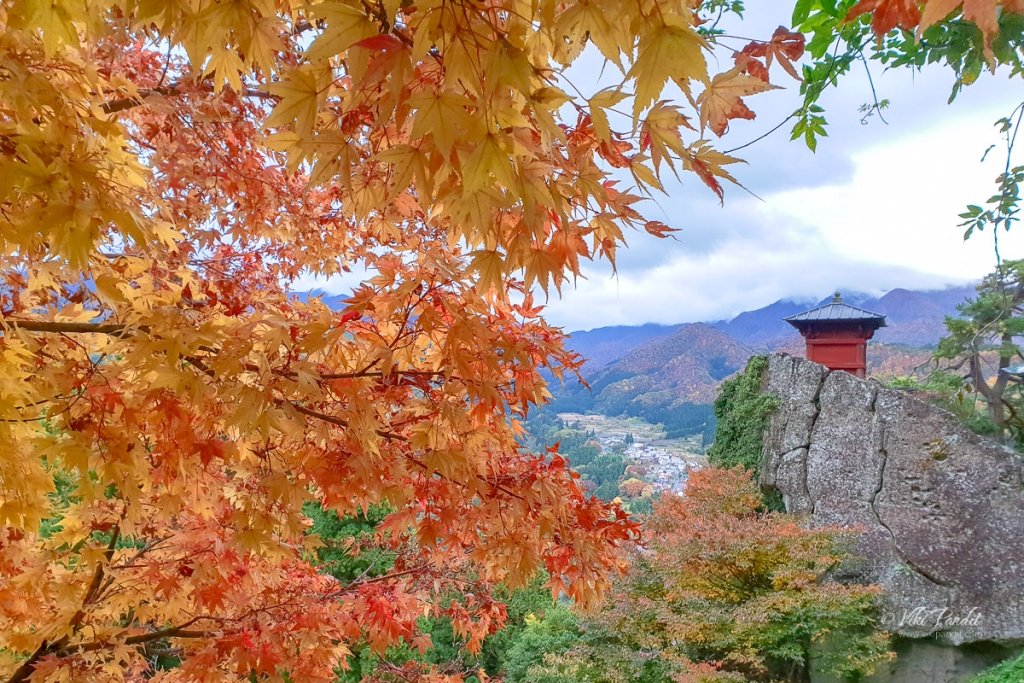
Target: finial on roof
[(837, 298)]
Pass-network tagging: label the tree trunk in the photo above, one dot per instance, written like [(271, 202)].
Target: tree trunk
[(992, 395), (997, 408)]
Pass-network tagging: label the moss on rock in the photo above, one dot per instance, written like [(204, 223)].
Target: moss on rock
[(742, 410)]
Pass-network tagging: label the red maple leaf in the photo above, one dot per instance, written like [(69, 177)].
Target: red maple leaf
[(888, 14)]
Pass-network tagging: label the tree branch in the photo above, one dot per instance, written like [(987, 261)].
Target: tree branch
[(23, 672), (123, 103), (56, 327), (180, 631)]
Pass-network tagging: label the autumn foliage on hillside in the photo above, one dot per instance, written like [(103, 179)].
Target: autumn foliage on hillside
[(725, 593), (751, 590), (167, 172)]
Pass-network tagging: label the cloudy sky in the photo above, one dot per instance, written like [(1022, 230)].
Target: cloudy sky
[(874, 209)]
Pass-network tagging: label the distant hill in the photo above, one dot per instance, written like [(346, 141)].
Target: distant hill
[(684, 366), (764, 328), (670, 379), (914, 318), (606, 344), (671, 373)]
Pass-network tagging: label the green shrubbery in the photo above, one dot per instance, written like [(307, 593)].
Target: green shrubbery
[(1011, 671), (742, 410), (337, 556)]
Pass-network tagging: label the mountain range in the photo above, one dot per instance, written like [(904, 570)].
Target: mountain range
[(671, 373), (914, 319)]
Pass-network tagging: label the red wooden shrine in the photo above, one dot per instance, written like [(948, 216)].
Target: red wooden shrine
[(837, 334)]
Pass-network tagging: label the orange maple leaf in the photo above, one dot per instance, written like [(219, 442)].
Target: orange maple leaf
[(707, 163), (721, 100), (785, 47), (659, 229), (983, 13), (751, 65), (888, 14)]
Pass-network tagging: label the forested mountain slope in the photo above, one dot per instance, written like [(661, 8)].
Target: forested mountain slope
[(671, 373)]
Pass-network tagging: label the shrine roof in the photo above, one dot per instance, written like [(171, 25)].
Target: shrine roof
[(836, 311)]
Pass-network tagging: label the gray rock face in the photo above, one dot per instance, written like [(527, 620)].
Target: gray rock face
[(941, 508)]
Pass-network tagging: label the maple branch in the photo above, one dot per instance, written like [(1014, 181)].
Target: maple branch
[(379, 373), (62, 649), (116, 329), (23, 672), (55, 327), (60, 646), (180, 631), (377, 579), (123, 103), (339, 422), (336, 421), (357, 374), (94, 588)]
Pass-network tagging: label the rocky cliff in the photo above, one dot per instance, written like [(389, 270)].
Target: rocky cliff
[(942, 509)]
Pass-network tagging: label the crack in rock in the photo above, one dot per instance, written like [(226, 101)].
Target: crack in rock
[(816, 404), (878, 518)]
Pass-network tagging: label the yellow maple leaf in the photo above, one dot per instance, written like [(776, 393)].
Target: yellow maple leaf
[(263, 45), (489, 265), (441, 114), (671, 50), (488, 161), (226, 67), (301, 90), (598, 103), (347, 24)]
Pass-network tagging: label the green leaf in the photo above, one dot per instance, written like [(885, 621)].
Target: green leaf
[(802, 10)]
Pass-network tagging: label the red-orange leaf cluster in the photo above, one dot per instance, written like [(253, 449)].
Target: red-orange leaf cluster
[(914, 15), (785, 47)]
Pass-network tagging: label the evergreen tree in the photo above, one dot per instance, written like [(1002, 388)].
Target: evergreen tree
[(982, 343)]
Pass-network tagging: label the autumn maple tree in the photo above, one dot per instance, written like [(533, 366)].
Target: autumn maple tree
[(168, 407)]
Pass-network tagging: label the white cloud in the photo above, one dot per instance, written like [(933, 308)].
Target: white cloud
[(902, 205), (877, 210), (742, 275)]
